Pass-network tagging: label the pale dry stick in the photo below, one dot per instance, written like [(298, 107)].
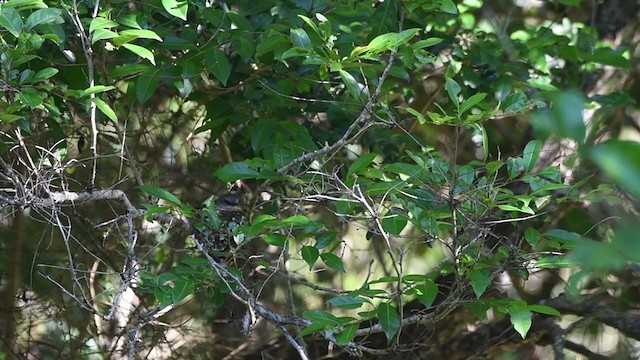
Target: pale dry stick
[(88, 53)]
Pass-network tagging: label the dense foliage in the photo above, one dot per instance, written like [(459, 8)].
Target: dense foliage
[(244, 179)]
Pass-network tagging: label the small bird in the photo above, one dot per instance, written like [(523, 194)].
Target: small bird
[(218, 221)]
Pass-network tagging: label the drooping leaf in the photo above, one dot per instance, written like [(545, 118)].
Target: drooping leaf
[(310, 255), (453, 90), (520, 317), (140, 51), (299, 38), (105, 109), (161, 194), (479, 279), (147, 83), (176, 8), (389, 319), (531, 154), (219, 65)]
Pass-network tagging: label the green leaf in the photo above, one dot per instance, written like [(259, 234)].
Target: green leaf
[(620, 161), (332, 261), (453, 89), (449, 7), (176, 8), (389, 319), (351, 83), (30, 97), (102, 34), (141, 34), (544, 309), (479, 279), (421, 119), (361, 163), (275, 239), (147, 83), (244, 46), (394, 222), (161, 194), (310, 255), (181, 289), (520, 317), (11, 21), (140, 51), (130, 20), (421, 44), (219, 65), (236, 171), (531, 154), (44, 16), (427, 292), (532, 236), (321, 316), (471, 102), (105, 109), (45, 74), (299, 38), (347, 302), (96, 89), (347, 334), (515, 103), (101, 23)]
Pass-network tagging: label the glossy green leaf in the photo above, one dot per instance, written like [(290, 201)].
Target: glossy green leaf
[(102, 34), (299, 38), (141, 34), (161, 193), (219, 65), (275, 239), (427, 292), (471, 102), (351, 83), (520, 317), (11, 21), (480, 279), (544, 309), (176, 8), (531, 154), (45, 74), (147, 84), (236, 171), (532, 236), (140, 51), (332, 261), (347, 334), (44, 16), (449, 7), (453, 90), (101, 23), (105, 109), (310, 255), (360, 164), (30, 97), (389, 319), (97, 89), (346, 302)]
